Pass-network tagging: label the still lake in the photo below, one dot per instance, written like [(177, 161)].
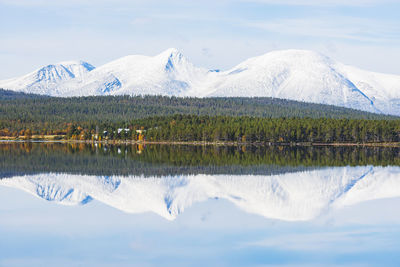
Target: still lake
[(159, 205)]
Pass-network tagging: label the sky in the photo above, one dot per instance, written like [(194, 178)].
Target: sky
[(216, 34)]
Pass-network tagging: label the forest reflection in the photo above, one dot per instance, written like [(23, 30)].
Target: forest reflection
[(163, 160)]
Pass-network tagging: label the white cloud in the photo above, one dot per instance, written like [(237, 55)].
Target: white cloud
[(322, 2), (205, 2), (342, 241), (57, 3), (141, 21), (332, 27)]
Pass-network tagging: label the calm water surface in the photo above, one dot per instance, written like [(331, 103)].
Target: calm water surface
[(86, 205)]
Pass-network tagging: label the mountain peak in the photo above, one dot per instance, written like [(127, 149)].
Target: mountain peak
[(46, 79), (171, 52), (82, 63), (70, 62), (294, 55), (63, 71), (171, 57)]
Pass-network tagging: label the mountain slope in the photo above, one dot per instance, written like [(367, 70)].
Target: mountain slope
[(382, 89), (289, 74), (290, 196)]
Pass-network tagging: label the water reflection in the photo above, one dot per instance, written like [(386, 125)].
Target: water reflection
[(198, 206)]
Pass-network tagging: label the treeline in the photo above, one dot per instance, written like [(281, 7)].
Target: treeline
[(249, 129), (9, 95), (160, 160), (20, 111)]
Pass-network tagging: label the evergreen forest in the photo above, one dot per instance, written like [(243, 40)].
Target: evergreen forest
[(165, 119)]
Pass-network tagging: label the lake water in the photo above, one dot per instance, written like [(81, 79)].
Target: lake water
[(87, 205)]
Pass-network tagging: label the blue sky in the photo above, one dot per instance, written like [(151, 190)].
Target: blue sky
[(211, 33)]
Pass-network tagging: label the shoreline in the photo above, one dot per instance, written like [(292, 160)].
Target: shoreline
[(198, 143)]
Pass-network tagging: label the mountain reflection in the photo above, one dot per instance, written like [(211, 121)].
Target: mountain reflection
[(280, 182), (292, 196)]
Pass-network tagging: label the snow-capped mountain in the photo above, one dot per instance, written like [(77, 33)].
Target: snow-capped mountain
[(168, 73), (295, 75), (47, 80), (290, 74), (290, 196)]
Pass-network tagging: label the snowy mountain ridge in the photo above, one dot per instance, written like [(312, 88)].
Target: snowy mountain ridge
[(289, 74), (295, 196)]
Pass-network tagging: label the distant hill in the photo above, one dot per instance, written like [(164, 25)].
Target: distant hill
[(9, 95)]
